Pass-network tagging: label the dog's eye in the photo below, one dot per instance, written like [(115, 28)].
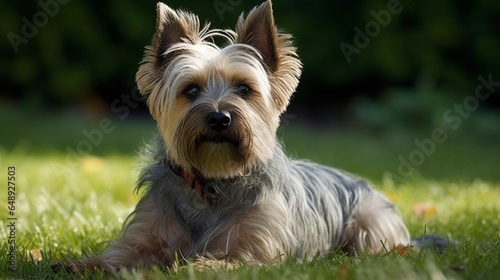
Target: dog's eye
[(243, 90), (191, 91)]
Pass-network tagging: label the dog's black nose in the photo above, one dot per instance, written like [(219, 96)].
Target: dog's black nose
[(218, 121)]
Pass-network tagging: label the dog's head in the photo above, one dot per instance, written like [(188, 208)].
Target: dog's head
[(218, 108)]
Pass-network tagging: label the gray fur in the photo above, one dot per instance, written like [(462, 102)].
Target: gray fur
[(320, 200)]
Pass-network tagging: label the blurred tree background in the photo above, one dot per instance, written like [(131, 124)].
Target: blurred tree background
[(413, 60)]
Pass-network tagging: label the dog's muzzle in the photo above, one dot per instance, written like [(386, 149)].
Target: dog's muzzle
[(218, 121)]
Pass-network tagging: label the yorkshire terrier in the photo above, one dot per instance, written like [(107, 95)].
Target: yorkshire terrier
[(218, 187)]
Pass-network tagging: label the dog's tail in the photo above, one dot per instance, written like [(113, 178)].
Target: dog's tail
[(439, 243)]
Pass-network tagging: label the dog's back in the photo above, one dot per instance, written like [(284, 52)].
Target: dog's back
[(331, 208)]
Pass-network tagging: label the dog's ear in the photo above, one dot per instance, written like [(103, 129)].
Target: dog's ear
[(278, 53), (172, 26), (258, 30)]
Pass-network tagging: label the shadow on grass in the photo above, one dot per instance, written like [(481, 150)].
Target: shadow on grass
[(71, 132)]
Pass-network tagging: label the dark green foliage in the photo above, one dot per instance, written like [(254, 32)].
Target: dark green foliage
[(73, 209), (77, 48)]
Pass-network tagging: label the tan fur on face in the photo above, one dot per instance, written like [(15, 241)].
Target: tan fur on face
[(181, 54)]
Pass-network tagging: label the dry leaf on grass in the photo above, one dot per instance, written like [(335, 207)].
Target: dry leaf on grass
[(343, 270), (424, 209), (35, 255), (403, 250)]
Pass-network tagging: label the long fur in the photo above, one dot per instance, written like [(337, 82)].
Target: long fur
[(269, 205), (284, 208)]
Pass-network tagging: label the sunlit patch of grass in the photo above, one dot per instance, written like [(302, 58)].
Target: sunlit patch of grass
[(73, 208), (75, 212)]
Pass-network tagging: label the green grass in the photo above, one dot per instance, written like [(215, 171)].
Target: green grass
[(71, 208)]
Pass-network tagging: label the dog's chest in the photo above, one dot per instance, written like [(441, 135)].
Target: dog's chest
[(197, 215)]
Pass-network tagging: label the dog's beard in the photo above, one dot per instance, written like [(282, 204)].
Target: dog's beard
[(218, 159), (221, 154), (221, 157)]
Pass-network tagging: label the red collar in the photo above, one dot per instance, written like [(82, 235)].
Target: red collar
[(200, 186)]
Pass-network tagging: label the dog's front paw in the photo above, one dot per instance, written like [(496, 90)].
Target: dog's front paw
[(204, 263), (68, 267), (79, 269)]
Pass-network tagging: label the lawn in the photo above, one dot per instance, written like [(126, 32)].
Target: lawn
[(69, 204)]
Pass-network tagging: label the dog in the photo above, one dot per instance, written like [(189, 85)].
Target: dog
[(217, 186)]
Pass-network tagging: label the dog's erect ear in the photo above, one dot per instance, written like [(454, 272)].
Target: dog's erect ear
[(172, 26), (170, 29), (278, 53), (258, 30)]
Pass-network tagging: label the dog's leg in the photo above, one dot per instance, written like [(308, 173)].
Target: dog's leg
[(258, 236), (151, 237), (374, 226)]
